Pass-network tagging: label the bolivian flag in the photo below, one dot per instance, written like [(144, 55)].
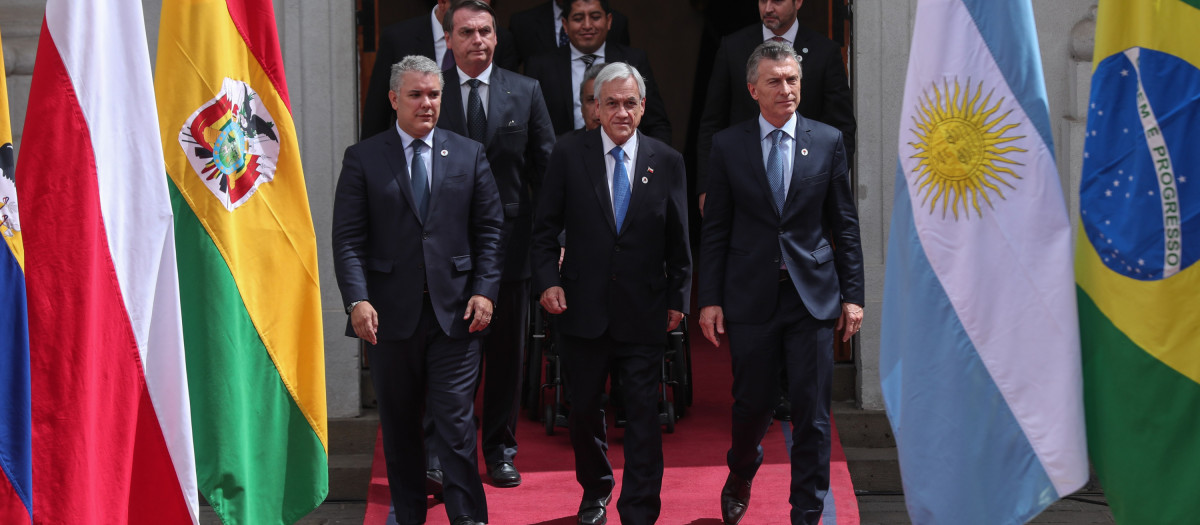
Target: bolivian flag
[(1136, 259), (247, 261)]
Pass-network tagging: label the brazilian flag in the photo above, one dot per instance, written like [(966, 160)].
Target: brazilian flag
[(1135, 259)]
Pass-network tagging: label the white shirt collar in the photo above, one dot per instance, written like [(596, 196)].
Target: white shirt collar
[(765, 128), (438, 32), (406, 139), (789, 35), (575, 53), (485, 77), (629, 147)]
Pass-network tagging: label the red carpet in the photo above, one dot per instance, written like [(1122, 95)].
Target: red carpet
[(695, 468)]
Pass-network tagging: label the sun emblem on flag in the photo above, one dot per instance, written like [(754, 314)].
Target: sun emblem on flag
[(959, 142), (231, 143)]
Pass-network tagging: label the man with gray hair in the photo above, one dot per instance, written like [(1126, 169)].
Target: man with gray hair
[(416, 243), (587, 97), (628, 285), (780, 266)]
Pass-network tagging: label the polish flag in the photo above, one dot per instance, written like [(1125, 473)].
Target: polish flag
[(112, 438)]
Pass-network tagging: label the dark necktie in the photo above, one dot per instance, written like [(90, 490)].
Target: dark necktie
[(775, 170), (620, 187), (448, 58), (588, 60), (420, 178), (476, 119), (562, 35)]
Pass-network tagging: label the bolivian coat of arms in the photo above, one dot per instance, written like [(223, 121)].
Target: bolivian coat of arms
[(231, 143)]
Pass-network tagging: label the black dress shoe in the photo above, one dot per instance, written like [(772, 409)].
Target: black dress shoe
[(593, 511), (504, 474), (735, 498), (433, 483), (783, 411), (465, 520)]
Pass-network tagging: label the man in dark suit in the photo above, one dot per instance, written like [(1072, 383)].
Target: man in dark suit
[(623, 194), (825, 96), (416, 241), (780, 264), (539, 29), (561, 71), (422, 35), (505, 112)]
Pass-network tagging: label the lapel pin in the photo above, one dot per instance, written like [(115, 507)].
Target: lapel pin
[(803, 152), (651, 170), (645, 180), (512, 123), (444, 153), (804, 50)]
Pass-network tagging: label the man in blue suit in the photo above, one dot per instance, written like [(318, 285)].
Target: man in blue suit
[(620, 195), (505, 112), (780, 265), (416, 241)]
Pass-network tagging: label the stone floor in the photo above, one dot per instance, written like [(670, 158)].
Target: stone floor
[(874, 510)]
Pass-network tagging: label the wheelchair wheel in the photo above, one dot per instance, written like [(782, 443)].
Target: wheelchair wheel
[(550, 419)]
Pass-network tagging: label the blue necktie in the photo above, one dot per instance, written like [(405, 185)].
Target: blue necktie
[(775, 170), (562, 35), (476, 120), (420, 184), (620, 187)]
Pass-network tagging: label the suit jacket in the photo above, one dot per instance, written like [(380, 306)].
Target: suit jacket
[(553, 71), (623, 283), (743, 237), (518, 143), (824, 91), (412, 37), (382, 252), (534, 29)]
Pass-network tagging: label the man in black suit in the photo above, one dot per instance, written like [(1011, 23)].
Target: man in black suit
[(561, 71), (416, 241), (422, 35), (780, 264), (825, 96), (505, 112), (539, 29), (623, 194)]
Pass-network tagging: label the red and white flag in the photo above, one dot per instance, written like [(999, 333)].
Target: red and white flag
[(112, 438)]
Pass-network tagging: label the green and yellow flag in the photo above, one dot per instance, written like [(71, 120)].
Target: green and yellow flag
[(1136, 259), (247, 261)]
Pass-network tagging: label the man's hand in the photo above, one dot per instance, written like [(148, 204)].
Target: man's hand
[(673, 319), (365, 321), (562, 252), (554, 300), (712, 324), (481, 308), (851, 319), (702, 195)]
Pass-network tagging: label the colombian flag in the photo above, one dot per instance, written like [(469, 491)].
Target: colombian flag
[(1135, 260), (111, 429), (16, 462), (247, 261)]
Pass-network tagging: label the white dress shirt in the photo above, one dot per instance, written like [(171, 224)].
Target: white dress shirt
[(439, 39), (577, 70), (630, 148), (427, 159), (558, 21), (789, 35), (485, 80), (787, 146)]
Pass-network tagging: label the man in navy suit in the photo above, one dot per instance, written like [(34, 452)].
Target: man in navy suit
[(505, 112), (780, 265), (416, 241), (621, 198), (825, 96), (561, 71), (422, 35)]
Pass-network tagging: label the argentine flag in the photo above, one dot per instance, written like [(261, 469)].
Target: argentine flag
[(979, 359)]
